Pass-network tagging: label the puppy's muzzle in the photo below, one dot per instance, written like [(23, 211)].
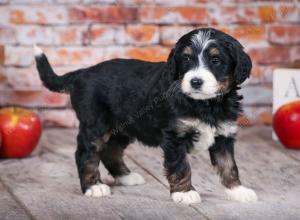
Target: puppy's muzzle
[(196, 83)]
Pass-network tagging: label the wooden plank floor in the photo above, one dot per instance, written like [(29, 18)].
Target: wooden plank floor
[(46, 186)]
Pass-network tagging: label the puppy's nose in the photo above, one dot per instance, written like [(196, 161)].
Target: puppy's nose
[(196, 83)]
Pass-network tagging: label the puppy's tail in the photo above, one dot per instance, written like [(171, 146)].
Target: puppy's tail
[(50, 80)]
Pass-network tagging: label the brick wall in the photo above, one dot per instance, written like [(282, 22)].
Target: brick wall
[(77, 33)]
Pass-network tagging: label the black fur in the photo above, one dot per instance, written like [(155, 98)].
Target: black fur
[(220, 153), (133, 99)]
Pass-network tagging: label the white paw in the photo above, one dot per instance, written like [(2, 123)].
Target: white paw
[(241, 194), (188, 197), (98, 190), (130, 180)]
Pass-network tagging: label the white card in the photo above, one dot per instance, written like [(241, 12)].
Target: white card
[(286, 88)]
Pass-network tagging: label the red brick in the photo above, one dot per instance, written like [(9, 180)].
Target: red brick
[(106, 35), (254, 13), (68, 1), (70, 35), (2, 55), (32, 34), (267, 13), (130, 2), (113, 52), (249, 33), (59, 118), (30, 1), (295, 56), (173, 15), (248, 15), (74, 55), (7, 35), (37, 14), (4, 15), (220, 14), (148, 53), (289, 12), (27, 79), (171, 34), (285, 34), (33, 98), (22, 78), (226, 29), (2, 78), (217, 1), (167, 2), (271, 55), (24, 22), (142, 34), (103, 1), (18, 56), (83, 56), (107, 14), (80, 56), (250, 36)]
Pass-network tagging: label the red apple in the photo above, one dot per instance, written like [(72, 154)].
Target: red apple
[(286, 123), (20, 130)]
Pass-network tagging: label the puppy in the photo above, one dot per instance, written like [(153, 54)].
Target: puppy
[(190, 101)]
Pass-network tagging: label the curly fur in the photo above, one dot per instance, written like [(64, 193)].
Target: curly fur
[(131, 99)]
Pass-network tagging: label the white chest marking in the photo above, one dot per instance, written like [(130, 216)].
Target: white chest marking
[(206, 132), (227, 129)]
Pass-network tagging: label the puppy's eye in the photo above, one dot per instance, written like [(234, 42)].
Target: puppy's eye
[(186, 57), (216, 60)]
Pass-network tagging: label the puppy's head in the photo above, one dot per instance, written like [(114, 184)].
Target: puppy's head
[(209, 63)]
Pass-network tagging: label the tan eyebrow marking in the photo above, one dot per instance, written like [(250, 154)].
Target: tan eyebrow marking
[(188, 51), (214, 51)]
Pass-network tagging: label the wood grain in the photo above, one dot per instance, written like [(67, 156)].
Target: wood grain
[(264, 133), (270, 172), (10, 209), (48, 186)]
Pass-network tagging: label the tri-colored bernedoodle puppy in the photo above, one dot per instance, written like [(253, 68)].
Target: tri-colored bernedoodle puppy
[(190, 101)]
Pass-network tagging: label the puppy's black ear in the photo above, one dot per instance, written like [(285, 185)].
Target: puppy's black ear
[(243, 66), (171, 64)]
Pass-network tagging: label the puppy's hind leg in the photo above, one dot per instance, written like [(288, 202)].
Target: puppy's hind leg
[(112, 158), (87, 160)]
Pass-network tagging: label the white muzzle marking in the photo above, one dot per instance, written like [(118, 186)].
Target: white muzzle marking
[(209, 88)]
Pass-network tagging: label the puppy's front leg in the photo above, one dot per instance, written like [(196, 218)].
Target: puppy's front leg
[(178, 172), (222, 157)]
